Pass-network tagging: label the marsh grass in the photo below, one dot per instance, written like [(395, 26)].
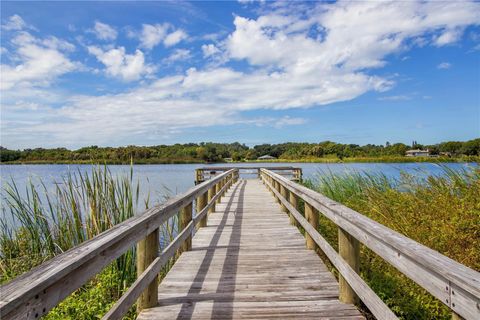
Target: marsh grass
[(441, 212), (40, 223)]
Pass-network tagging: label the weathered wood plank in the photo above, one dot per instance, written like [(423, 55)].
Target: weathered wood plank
[(143, 281), (249, 262), (433, 271), (37, 291), (379, 309)]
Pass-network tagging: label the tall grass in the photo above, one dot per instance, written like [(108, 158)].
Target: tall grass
[(441, 212), (40, 223)]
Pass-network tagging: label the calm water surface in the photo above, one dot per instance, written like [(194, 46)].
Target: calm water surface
[(167, 179), (158, 181)]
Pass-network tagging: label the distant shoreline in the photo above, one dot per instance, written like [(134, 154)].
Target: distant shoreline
[(464, 159)]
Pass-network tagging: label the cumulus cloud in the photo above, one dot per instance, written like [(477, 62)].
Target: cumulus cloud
[(36, 62), (297, 57), (153, 35), (444, 65), (174, 38), (448, 36), (14, 22), (209, 50), (103, 31), (178, 55), (119, 64)]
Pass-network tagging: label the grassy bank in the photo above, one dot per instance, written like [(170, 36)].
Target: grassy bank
[(107, 161), (383, 159), (442, 213), (44, 223)]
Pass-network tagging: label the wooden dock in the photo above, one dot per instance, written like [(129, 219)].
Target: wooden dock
[(249, 262), (239, 254)]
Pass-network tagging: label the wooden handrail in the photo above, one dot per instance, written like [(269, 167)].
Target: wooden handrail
[(148, 275), (34, 293), (456, 285), (294, 172)]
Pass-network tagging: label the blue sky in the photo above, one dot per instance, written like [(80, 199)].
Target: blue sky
[(75, 74)]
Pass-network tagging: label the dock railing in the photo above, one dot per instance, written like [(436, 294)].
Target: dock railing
[(456, 285), (34, 293), (205, 173)]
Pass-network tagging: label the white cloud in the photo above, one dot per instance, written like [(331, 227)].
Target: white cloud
[(38, 61), (178, 55), (298, 57), (444, 65), (58, 44), (103, 31), (152, 35), (15, 22), (174, 38), (449, 36), (209, 50), (119, 64)]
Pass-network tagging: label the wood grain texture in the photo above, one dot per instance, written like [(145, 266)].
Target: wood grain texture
[(147, 252), (438, 274), (349, 250), (37, 291), (249, 262), (378, 308), (145, 279)]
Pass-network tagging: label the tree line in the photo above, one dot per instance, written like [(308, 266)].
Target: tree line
[(217, 152)]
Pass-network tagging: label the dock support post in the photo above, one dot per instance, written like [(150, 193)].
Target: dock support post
[(311, 215), (349, 250), (147, 251), (293, 199), (201, 203)]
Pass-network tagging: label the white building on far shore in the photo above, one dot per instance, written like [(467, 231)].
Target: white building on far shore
[(417, 153)]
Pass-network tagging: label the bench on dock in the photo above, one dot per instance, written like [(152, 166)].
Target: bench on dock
[(239, 254)]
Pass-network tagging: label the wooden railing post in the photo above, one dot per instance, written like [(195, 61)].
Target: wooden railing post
[(185, 218), (211, 194), (284, 193), (311, 214), (201, 203), (277, 187), (294, 202), (349, 250), (147, 251), (198, 176), (217, 190)]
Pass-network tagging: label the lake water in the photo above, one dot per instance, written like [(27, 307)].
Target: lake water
[(158, 181), (162, 179)]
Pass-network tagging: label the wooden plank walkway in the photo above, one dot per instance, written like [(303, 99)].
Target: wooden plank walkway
[(249, 263)]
